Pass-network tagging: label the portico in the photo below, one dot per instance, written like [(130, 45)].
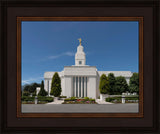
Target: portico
[(81, 80)]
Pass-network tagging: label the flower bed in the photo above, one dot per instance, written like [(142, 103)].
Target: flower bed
[(74, 100)]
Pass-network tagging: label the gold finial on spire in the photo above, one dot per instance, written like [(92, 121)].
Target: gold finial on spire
[(80, 40)]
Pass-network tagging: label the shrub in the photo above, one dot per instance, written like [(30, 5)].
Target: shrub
[(47, 99), (26, 98), (25, 93), (67, 99), (73, 98), (62, 96), (86, 98), (110, 99), (118, 99), (131, 98), (70, 99), (91, 99)]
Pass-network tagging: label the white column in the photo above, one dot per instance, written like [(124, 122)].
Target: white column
[(81, 86), (85, 87), (80, 94), (75, 86), (72, 82), (78, 86)]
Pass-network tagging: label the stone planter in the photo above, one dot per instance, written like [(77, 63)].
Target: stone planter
[(103, 97)]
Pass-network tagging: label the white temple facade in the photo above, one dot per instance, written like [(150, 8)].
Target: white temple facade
[(81, 80)]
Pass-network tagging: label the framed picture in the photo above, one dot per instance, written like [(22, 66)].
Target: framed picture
[(79, 64), (81, 84)]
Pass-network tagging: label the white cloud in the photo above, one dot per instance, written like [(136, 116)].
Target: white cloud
[(69, 53), (60, 55), (54, 57), (30, 80)]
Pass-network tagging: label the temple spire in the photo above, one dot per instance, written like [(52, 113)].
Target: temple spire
[(80, 58), (80, 40)]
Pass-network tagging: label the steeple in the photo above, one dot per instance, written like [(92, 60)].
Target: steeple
[(80, 57)]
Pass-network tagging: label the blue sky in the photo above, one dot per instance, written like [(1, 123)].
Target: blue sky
[(49, 46)]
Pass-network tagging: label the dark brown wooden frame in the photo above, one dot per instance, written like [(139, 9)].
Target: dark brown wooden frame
[(19, 21), (149, 9)]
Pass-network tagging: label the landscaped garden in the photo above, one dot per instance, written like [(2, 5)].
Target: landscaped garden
[(74, 100), (128, 99), (109, 85)]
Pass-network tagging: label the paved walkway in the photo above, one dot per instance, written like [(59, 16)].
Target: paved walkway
[(80, 108), (102, 102), (56, 102), (61, 101)]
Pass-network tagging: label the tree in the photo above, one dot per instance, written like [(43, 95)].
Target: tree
[(25, 93), (26, 87), (134, 83), (112, 83), (121, 85), (32, 87), (42, 92), (104, 84), (56, 85), (35, 93)]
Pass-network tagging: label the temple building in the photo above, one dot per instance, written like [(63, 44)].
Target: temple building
[(81, 80)]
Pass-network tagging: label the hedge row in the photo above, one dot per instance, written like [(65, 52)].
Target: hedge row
[(62, 96), (119, 98), (40, 98), (48, 99), (70, 99), (131, 98), (113, 98), (27, 98)]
